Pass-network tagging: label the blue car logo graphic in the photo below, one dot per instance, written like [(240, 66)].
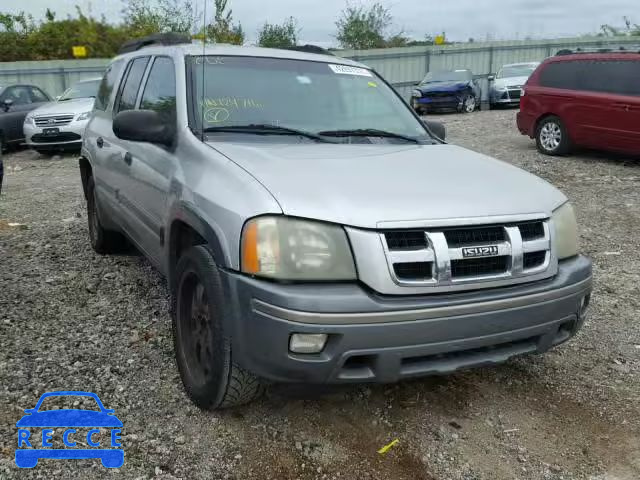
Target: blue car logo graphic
[(69, 419)]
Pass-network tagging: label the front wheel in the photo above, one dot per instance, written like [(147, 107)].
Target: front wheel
[(469, 104), (202, 345), (552, 137)]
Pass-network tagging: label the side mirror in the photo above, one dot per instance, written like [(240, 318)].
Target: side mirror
[(491, 78), (143, 126), (7, 104), (437, 128)]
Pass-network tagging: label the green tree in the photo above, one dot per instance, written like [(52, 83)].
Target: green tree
[(361, 28), (14, 34), (144, 17), (279, 36), (222, 30), (628, 29)]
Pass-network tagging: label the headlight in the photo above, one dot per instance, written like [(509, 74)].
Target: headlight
[(566, 231), (291, 249), (499, 88), (416, 94), (28, 120), (83, 116)]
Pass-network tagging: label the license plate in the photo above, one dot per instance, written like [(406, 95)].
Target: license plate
[(50, 131)]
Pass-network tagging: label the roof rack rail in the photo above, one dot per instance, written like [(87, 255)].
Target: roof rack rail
[(152, 40), (310, 49), (579, 50)]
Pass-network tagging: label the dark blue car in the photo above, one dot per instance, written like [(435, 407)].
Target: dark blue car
[(69, 419), (449, 90)]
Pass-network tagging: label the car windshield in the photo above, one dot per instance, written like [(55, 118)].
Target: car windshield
[(312, 97), (81, 90), (453, 76), (517, 71), (59, 402)]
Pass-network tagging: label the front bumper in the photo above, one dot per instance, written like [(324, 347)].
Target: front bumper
[(452, 101), (375, 338), (69, 135)]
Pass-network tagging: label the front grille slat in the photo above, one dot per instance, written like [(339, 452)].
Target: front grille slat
[(58, 120), (479, 267), (401, 240), (472, 236), (414, 271)]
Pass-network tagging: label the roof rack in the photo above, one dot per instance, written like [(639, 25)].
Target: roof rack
[(310, 49), (153, 40), (566, 51)]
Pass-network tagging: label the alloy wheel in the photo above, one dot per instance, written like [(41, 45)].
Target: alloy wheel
[(550, 136)]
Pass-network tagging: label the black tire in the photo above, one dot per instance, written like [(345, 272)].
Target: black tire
[(469, 104), (552, 137), (202, 347), (103, 241)]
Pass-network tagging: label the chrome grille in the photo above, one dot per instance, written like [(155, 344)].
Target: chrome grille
[(449, 256), (53, 120)]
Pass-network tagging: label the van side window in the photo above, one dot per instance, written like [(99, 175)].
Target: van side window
[(106, 85), (160, 90), (131, 85), (566, 75), (620, 77)]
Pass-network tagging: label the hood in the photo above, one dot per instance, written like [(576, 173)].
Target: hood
[(69, 418), (452, 86), (79, 105), (363, 185), (509, 81)]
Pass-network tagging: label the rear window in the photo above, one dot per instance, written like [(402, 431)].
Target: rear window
[(606, 76)]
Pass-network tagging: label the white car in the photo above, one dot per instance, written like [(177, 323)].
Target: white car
[(59, 125)]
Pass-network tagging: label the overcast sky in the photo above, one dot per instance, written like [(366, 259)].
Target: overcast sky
[(460, 19)]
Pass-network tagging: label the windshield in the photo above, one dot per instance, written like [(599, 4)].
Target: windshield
[(453, 76), (295, 94), (517, 70), (81, 90)]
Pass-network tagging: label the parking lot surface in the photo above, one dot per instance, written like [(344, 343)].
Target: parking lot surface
[(74, 320)]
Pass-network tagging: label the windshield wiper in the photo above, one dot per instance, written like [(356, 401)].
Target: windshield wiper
[(367, 132), (265, 129)]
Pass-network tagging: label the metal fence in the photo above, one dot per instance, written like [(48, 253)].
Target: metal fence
[(405, 67), (53, 76), (402, 67)]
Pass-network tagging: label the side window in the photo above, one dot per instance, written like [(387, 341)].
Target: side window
[(106, 85), (19, 95), (566, 75), (615, 76), (160, 90), (37, 95), (131, 85)]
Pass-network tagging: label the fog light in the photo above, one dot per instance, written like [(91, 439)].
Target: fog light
[(307, 342), (584, 307)]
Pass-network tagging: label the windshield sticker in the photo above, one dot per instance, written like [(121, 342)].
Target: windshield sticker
[(347, 70), (303, 80), (232, 102), (373, 84), (209, 60)]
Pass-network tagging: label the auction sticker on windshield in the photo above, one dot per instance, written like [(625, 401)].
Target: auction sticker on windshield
[(347, 70)]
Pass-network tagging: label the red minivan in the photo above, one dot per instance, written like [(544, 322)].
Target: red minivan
[(589, 100)]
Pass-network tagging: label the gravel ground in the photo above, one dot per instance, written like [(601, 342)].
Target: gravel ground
[(70, 319)]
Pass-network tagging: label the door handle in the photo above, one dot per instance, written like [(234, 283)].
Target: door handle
[(100, 142), (623, 106), (128, 158)]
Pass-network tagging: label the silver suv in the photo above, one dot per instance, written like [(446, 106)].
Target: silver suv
[(314, 230)]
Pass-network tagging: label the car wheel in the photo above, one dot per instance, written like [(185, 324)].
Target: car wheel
[(103, 241), (202, 347), (469, 104), (552, 137)]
